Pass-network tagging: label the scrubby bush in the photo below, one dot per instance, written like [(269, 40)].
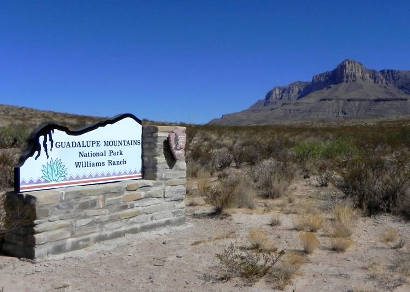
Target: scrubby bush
[(246, 152), (6, 170), (258, 238), (389, 235), (309, 222), (221, 158), (274, 221), (309, 242), (340, 244), (375, 184), (247, 264), (231, 189), (13, 137), (272, 177)]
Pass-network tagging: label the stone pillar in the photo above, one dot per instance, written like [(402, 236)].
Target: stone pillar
[(56, 221)]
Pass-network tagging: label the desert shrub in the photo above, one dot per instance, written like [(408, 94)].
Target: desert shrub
[(203, 182), (389, 235), (282, 273), (193, 169), (221, 158), (340, 230), (244, 194), (375, 184), (231, 189), (344, 217), (248, 264), (6, 170), (258, 238), (309, 222), (308, 150), (219, 196), (341, 148), (272, 177), (344, 213), (404, 206), (13, 137), (245, 152), (274, 221), (340, 244), (309, 242)]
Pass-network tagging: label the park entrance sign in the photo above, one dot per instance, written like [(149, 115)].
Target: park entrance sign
[(108, 151)]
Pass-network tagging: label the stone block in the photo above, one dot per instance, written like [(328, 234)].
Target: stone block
[(82, 222), (46, 197), (148, 202), (88, 204), (178, 212), (132, 197), (140, 219), (50, 236), (161, 215), (93, 190), (86, 230), (133, 186), (129, 213), (42, 213), (164, 206), (180, 165), (155, 193), (113, 201), (96, 212), (48, 226), (173, 191), (176, 182), (113, 225), (180, 205)]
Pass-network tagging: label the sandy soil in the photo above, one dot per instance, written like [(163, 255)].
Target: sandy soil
[(183, 258)]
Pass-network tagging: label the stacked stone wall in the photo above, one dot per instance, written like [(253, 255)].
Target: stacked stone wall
[(66, 219)]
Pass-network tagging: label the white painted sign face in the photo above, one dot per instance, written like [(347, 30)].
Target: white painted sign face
[(106, 152)]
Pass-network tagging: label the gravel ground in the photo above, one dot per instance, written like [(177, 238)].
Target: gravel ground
[(183, 258)]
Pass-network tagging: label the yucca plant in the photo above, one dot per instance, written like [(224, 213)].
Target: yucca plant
[(54, 171)]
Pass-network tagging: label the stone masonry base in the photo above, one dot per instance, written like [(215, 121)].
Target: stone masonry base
[(55, 221)]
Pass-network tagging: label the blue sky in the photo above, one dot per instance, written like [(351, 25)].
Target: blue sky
[(188, 61)]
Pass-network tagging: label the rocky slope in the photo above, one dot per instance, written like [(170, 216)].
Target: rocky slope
[(349, 92)]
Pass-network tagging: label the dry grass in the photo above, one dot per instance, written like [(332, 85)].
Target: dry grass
[(309, 222), (272, 177), (340, 230), (340, 244), (344, 217), (295, 259), (275, 220), (344, 214), (389, 235), (309, 242), (244, 195), (259, 240), (203, 182)]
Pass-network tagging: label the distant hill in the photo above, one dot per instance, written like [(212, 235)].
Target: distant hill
[(13, 116), (351, 92)]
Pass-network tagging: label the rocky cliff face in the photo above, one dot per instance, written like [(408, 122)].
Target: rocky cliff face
[(350, 91)]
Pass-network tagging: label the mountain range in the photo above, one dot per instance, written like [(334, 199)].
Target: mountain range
[(350, 92)]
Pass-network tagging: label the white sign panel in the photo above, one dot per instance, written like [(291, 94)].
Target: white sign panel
[(108, 151)]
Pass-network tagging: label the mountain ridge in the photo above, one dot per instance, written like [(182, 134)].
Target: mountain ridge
[(348, 92)]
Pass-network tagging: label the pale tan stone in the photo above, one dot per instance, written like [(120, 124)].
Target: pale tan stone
[(132, 197)]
